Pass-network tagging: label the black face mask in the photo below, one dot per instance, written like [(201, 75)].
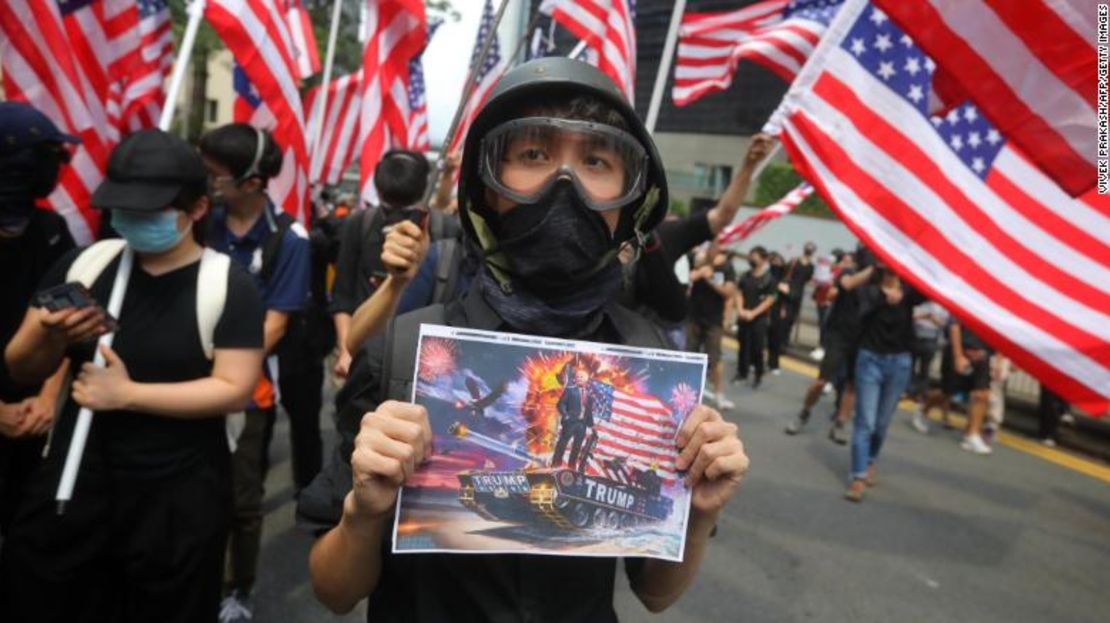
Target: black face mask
[(561, 264), (25, 176), (556, 245)]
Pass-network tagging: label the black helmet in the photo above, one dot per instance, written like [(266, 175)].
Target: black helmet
[(528, 83)]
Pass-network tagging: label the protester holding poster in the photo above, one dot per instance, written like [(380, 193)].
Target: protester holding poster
[(549, 192)]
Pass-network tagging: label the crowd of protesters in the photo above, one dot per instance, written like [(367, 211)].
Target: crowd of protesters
[(233, 307)]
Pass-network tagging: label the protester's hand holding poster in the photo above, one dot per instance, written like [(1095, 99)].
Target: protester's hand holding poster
[(547, 446)]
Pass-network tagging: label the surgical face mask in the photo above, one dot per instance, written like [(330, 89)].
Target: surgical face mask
[(152, 232)]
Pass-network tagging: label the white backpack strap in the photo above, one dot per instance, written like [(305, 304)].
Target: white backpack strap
[(91, 262), (211, 296)]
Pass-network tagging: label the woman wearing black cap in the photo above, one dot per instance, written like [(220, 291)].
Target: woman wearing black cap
[(142, 537)]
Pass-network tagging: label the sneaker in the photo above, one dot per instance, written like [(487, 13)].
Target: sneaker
[(827, 389), (236, 608), (855, 491), (757, 382), (920, 424), (776, 372), (872, 477), (724, 403), (799, 422), (708, 397), (817, 354), (837, 434), (975, 444), (1048, 442), (737, 380)]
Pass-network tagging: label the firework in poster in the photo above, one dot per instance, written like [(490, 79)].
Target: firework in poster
[(548, 446)]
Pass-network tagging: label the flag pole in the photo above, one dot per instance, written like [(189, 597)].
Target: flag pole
[(322, 101), (196, 13), (468, 90), (665, 62)]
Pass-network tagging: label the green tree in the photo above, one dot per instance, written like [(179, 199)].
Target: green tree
[(779, 178)]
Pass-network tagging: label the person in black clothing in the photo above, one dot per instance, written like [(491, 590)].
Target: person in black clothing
[(793, 286), (1050, 410), (550, 233), (401, 179), (712, 287), (775, 316), (757, 294), (576, 417), (964, 368), (32, 154), (882, 368), (142, 538)]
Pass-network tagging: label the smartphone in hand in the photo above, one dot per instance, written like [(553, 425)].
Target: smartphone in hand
[(72, 295)]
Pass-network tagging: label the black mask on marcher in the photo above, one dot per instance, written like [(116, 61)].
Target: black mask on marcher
[(556, 245), (27, 175), (561, 264)]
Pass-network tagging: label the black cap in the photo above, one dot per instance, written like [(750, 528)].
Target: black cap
[(22, 126), (147, 171)]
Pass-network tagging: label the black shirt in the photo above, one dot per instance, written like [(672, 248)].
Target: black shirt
[(843, 323), (23, 262), (358, 271), (159, 342), (886, 328), (754, 288), (797, 276), (438, 587), (706, 305)]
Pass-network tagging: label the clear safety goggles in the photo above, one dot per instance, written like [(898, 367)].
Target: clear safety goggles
[(522, 159)]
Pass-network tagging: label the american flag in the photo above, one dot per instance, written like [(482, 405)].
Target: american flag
[(144, 95), (778, 34), (418, 101), (397, 35), (488, 75), (70, 59), (305, 54), (340, 133), (735, 233), (259, 40), (608, 28), (1029, 66), (953, 206), (633, 428)]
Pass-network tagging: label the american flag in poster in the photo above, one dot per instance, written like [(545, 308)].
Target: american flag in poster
[(953, 206), (636, 429)]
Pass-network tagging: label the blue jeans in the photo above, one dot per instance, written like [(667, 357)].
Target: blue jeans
[(880, 380)]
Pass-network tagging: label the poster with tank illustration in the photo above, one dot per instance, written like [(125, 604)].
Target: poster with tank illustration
[(548, 446)]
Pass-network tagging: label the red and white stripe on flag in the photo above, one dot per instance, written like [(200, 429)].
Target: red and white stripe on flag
[(340, 131), (489, 73), (258, 37), (640, 431), (143, 94), (397, 34), (305, 52), (735, 233), (952, 206), (607, 27), (777, 34), (70, 61), (1030, 66)]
